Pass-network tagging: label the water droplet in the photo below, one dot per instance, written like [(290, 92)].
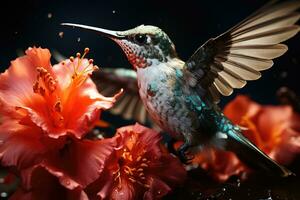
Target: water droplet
[(78, 39), (3, 194), (269, 198), (61, 34), (114, 12), (68, 182), (49, 15)]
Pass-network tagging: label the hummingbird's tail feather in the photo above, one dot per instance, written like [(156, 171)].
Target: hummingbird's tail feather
[(252, 156)]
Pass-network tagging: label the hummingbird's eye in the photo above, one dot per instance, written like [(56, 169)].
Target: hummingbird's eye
[(140, 38)]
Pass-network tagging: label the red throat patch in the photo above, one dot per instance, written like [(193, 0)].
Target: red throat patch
[(135, 60)]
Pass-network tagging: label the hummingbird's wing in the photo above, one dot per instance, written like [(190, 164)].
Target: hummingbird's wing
[(111, 80), (129, 106), (238, 55)]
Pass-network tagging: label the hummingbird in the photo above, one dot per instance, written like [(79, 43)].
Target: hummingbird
[(182, 96)]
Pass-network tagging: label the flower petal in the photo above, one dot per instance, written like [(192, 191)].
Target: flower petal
[(288, 148), (43, 182), (148, 139), (241, 106), (22, 149), (17, 81), (169, 169), (157, 189), (82, 160), (125, 191), (272, 120), (102, 187)]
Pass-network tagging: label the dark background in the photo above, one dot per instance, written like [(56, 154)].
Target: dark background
[(189, 23)]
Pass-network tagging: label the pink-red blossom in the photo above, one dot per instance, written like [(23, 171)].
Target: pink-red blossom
[(140, 169)]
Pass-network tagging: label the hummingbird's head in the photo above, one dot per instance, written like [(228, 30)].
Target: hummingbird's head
[(143, 45)]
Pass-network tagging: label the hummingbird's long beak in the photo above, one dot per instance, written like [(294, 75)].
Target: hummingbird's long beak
[(101, 31)]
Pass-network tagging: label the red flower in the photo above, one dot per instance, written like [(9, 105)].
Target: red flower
[(273, 129), (140, 169)]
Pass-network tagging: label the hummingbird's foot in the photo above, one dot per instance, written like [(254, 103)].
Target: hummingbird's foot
[(184, 155)]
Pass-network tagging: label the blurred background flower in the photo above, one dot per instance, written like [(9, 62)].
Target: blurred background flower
[(274, 129)]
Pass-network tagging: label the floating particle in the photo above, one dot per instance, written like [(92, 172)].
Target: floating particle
[(269, 198), (3, 194), (114, 12), (49, 15), (295, 60), (78, 39), (61, 34), (98, 134), (283, 74)]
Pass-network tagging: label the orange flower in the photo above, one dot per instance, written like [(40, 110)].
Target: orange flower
[(273, 129), (45, 111), (60, 100), (220, 165), (140, 169)]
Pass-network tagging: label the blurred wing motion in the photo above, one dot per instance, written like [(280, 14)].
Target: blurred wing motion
[(111, 80), (129, 106), (238, 55)]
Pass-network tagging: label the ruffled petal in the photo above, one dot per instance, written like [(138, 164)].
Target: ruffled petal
[(61, 100), (148, 139), (81, 103), (17, 81), (221, 165), (169, 169), (102, 187), (22, 149), (124, 191), (82, 160), (45, 181), (157, 189), (22, 142), (40, 58)]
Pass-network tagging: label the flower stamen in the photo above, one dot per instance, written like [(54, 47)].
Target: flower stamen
[(80, 73), (45, 85), (45, 82), (134, 174)]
